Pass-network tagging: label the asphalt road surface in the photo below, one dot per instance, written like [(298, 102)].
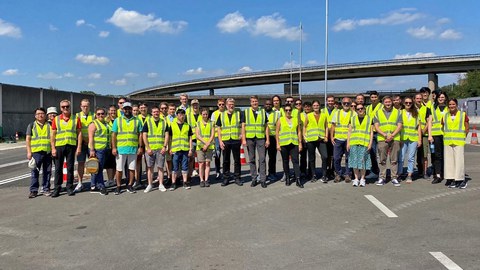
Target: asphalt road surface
[(323, 226)]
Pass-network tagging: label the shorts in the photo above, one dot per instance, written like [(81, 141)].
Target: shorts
[(168, 157), (109, 160), (182, 158), (205, 156), (131, 160), (156, 159), (82, 157), (425, 146)]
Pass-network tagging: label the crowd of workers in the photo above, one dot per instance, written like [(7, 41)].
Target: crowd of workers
[(368, 139)]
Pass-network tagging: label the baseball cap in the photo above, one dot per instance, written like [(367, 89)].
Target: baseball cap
[(127, 104), (182, 111), (194, 101)]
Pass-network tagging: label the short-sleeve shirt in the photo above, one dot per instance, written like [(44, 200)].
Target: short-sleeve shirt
[(127, 150), (180, 126), (63, 118), (387, 114), (242, 116)]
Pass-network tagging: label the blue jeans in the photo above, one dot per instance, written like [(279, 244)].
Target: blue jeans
[(373, 154), (42, 160), (180, 156), (96, 179), (411, 147), (339, 149)]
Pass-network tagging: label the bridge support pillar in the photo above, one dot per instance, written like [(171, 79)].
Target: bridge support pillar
[(432, 81), (212, 92)]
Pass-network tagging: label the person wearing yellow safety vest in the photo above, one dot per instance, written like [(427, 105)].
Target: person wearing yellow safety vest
[(156, 141), (168, 158), (330, 111), (192, 117), (126, 131), (218, 151), (229, 135), (110, 164), (255, 136), (272, 116), (439, 110), (388, 123), (184, 103), (120, 106), (426, 99), (86, 117), (182, 148), (143, 116), (163, 109), (371, 111), (455, 129), (289, 143), (205, 146), (338, 137), (39, 148), (410, 137), (425, 118), (303, 154), (315, 133), (359, 142), (99, 144), (66, 143)]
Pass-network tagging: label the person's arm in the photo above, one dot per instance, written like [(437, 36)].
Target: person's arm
[(348, 137), (327, 134), (79, 140), (332, 134), (244, 138), (190, 152), (91, 138), (429, 128), (467, 125), (371, 140), (277, 135), (419, 135), (300, 138), (267, 135), (140, 138), (29, 147), (212, 136), (305, 129), (165, 145), (147, 145), (53, 134), (114, 143)]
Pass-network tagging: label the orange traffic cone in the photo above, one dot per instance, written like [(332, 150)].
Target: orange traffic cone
[(196, 161), (16, 136), (474, 139), (64, 171), (243, 160)]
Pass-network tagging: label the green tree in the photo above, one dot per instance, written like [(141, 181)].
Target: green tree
[(88, 93), (468, 85)]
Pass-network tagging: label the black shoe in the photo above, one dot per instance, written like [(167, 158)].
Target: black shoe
[(202, 184), (324, 179), (263, 184), (313, 179), (103, 191), (437, 180), (239, 182), (33, 194), (448, 182), (288, 181), (130, 189), (117, 191), (55, 193), (458, 184), (225, 182), (299, 183), (254, 183), (70, 192), (463, 184)]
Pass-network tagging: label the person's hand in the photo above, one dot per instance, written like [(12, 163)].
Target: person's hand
[(419, 144), (222, 145), (267, 144), (79, 151), (92, 153), (279, 147), (325, 139), (190, 153), (54, 152), (369, 147), (244, 142), (333, 141), (163, 151), (114, 152), (348, 147), (150, 152), (171, 153), (300, 147), (205, 148), (430, 139), (29, 156), (140, 151)]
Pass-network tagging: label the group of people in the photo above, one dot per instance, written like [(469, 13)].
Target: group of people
[(169, 138)]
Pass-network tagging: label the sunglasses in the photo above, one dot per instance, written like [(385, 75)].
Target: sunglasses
[(163, 108), (298, 103), (360, 109), (100, 114), (221, 104), (408, 103), (121, 102), (65, 107), (346, 103), (288, 110)]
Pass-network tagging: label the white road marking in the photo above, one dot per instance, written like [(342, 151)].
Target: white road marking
[(449, 264), (13, 163), (13, 179), (381, 206)]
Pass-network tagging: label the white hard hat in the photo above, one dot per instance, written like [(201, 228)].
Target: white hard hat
[(32, 164)]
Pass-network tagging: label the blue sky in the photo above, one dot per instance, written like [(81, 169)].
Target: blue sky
[(116, 47)]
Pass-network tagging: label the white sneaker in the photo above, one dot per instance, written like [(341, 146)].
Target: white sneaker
[(79, 187), (162, 188), (135, 185), (380, 182), (355, 182), (395, 183), (362, 182), (148, 189), (155, 181)]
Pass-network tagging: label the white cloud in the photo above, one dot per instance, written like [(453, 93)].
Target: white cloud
[(91, 85), (10, 72), (421, 32), (49, 76), (9, 29), (92, 59), (94, 76), (133, 22), (292, 64), (103, 34), (443, 21), (131, 74), (312, 63), (232, 22), (196, 71), (451, 34), (68, 75), (80, 22), (402, 16), (245, 69), (52, 28), (415, 55), (120, 82), (152, 75)]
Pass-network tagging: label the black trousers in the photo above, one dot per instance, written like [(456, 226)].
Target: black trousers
[(232, 148), (322, 148), (437, 157), (330, 168), (64, 152), (373, 155), (303, 159), (287, 151), (272, 156)]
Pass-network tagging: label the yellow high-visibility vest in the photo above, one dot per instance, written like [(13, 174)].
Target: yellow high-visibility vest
[(315, 129), (180, 138), (341, 124), (410, 128), (288, 133), (273, 117), (329, 115), (230, 127), (66, 131), (205, 130), (127, 132), (454, 129), (360, 134), (40, 139), (437, 116), (388, 125), (85, 122), (101, 136), (156, 133), (254, 127)]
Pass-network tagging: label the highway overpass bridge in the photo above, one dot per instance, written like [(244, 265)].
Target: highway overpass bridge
[(430, 66)]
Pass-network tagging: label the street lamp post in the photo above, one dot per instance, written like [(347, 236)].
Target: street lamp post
[(291, 74), (300, 70), (326, 51)]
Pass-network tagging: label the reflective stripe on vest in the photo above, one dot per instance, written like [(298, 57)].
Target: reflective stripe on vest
[(85, 122), (288, 134), (216, 115), (410, 128), (437, 116), (156, 133), (180, 138), (101, 136), (192, 121), (273, 117), (454, 130), (372, 112), (315, 130), (341, 124), (205, 131), (230, 127), (388, 125), (40, 140), (329, 115), (254, 127), (360, 134), (127, 132), (66, 134), (422, 115)]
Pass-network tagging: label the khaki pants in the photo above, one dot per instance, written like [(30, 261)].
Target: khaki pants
[(454, 162), (384, 151)]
